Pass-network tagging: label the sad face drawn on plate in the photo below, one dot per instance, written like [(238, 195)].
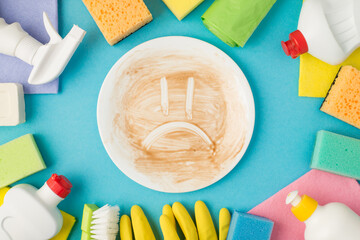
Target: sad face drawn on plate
[(180, 118), (173, 127)]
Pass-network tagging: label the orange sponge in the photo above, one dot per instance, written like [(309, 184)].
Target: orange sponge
[(343, 99), (118, 18)]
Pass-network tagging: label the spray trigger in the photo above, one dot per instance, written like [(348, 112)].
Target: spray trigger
[(49, 60), (53, 34)]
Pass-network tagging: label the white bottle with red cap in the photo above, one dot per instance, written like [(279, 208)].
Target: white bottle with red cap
[(32, 214), (328, 29)]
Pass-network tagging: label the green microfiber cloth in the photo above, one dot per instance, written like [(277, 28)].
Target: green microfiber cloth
[(19, 159), (234, 21), (337, 154)]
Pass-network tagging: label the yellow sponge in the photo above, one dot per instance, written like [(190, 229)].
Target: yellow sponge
[(68, 223), (343, 99), (118, 18), (316, 76), (181, 8), (3, 191)]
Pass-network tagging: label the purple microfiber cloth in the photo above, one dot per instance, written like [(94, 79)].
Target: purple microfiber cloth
[(29, 14)]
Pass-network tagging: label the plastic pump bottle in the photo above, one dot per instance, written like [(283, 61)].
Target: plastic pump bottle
[(32, 214), (333, 221), (328, 29)]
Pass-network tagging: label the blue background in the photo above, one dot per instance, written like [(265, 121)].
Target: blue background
[(65, 126)]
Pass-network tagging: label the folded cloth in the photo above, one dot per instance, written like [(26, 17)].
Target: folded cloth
[(30, 16), (316, 76), (234, 21)]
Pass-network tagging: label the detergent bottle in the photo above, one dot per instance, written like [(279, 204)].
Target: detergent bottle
[(327, 29), (333, 221), (29, 213)]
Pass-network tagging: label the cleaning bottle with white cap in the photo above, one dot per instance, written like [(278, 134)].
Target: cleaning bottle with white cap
[(32, 214), (333, 221), (327, 29)]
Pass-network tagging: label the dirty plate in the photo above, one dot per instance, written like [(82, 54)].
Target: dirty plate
[(175, 114)]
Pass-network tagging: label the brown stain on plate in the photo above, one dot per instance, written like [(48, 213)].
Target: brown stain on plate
[(178, 157)]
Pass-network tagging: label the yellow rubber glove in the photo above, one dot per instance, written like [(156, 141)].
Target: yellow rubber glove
[(204, 222), (168, 228), (224, 223), (187, 225), (141, 226), (167, 210), (125, 228)]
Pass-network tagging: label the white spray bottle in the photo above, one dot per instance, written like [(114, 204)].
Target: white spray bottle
[(32, 214), (333, 221), (328, 29), (49, 60)]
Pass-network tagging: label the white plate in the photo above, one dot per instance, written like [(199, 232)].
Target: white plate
[(180, 160)]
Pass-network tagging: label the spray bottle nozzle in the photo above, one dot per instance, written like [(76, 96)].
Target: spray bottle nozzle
[(49, 60)]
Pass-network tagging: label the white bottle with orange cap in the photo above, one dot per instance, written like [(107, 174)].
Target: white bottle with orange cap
[(333, 221), (328, 29), (32, 214)]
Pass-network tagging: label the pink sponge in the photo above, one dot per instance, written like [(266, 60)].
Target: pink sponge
[(322, 186)]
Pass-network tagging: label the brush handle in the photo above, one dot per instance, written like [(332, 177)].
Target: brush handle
[(16, 42)]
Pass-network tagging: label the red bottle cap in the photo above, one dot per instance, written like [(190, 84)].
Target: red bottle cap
[(60, 185), (296, 45)]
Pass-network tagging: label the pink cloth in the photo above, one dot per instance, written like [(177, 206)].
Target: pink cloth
[(322, 186)]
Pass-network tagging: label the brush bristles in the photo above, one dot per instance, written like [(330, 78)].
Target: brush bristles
[(105, 223)]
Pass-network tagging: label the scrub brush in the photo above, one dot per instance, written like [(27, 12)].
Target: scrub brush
[(100, 223)]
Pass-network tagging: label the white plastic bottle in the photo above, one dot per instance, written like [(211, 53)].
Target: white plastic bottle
[(32, 214), (328, 29), (333, 221)]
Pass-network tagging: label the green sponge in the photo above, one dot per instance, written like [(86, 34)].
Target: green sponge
[(19, 159), (337, 154), (86, 219)]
